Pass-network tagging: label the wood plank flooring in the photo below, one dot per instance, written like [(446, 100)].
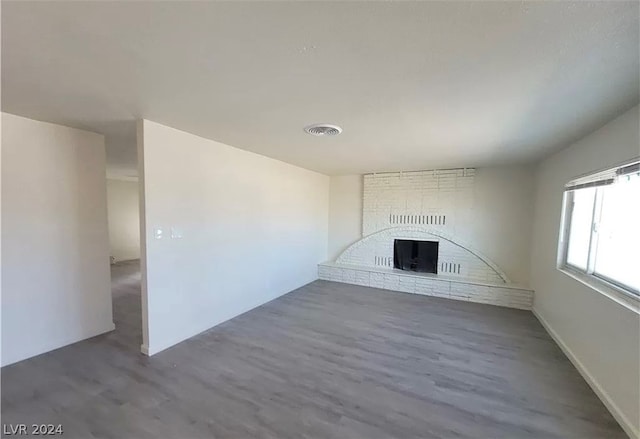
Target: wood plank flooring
[(327, 360)]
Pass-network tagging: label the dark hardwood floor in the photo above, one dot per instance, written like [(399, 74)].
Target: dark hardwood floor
[(327, 360)]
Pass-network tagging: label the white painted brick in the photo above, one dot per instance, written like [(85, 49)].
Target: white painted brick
[(414, 193), (396, 206), (337, 275), (362, 278), (324, 272), (348, 276), (391, 282), (412, 283), (407, 284), (376, 280)]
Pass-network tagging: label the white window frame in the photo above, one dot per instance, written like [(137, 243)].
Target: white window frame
[(589, 276)]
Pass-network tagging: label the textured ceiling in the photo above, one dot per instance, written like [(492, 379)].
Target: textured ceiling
[(414, 85)]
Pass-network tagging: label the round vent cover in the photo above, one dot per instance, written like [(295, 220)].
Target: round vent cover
[(323, 129)]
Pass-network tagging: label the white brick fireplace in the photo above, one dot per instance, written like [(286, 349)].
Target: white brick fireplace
[(434, 205)]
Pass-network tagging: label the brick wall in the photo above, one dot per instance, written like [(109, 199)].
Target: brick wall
[(438, 198), (418, 283), (423, 205)]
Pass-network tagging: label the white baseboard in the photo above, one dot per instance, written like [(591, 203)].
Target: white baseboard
[(626, 425), (58, 344), (150, 349), (154, 348)]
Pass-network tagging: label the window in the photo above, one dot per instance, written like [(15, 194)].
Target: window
[(601, 227)]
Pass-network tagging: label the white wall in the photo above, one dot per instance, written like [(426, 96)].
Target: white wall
[(252, 228), (124, 219), (497, 223), (600, 335), (345, 213), (55, 267), (503, 218)]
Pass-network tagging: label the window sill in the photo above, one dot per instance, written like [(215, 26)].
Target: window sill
[(618, 295)]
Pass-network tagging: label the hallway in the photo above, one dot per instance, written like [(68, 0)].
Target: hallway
[(127, 309)]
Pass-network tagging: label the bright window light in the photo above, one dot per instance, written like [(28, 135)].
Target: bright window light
[(580, 232), (619, 232), (601, 227)]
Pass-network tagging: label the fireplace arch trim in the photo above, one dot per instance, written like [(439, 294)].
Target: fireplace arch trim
[(365, 250)]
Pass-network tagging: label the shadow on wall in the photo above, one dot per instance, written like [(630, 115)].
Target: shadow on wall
[(124, 219)]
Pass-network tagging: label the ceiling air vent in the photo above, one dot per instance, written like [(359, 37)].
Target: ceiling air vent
[(323, 129)]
